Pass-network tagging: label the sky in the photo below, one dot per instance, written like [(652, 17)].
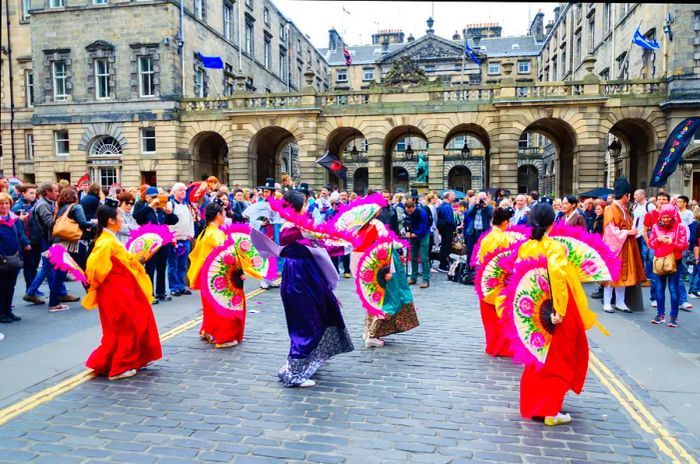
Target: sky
[(363, 19)]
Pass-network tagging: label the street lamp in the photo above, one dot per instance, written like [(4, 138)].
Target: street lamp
[(408, 152), (355, 152), (465, 151), (615, 148)]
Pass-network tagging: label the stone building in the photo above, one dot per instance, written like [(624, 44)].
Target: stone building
[(97, 84)]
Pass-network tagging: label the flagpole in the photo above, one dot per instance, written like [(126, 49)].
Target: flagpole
[(464, 53)]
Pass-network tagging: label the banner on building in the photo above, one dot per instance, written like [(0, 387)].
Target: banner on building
[(334, 165), (672, 152), (212, 62)]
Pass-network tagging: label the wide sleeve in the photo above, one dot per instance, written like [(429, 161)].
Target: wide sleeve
[(99, 265), (557, 267), (613, 236)]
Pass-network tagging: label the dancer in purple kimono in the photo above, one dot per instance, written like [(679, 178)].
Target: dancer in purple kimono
[(316, 328)]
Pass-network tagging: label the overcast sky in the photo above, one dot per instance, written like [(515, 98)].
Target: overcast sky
[(316, 17)]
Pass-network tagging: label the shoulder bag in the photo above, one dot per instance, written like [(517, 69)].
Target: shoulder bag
[(66, 228), (666, 265)]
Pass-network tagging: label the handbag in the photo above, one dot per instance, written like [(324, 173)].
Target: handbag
[(688, 257), (665, 265), (8, 263), (458, 246), (66, 228)]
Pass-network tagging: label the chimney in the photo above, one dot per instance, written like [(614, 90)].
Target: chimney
[(556, 13), (410, 38), (537, 27), (334, 39), (548, 27), (456, 36)]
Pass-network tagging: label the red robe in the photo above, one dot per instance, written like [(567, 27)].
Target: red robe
[(130, 337)]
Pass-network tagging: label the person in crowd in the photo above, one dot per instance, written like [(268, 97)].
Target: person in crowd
[(570, 215), (324, 200), (430, 205), (687, 218), (126, 205), (556, 204), (694, 288), (446, 226), (156, 213), (140, 198), (418, 233), (619, 233), (41, 221), (534, 198), (237, 206), (479, 216), (13, 241), (641, 208), (23, 207), (668, 237), (91, 201), (521, 211), (651, 218), (598, 229), (4, 184), (130, 339), (267, 221), (184, 233), (543, 388), (388, 214), (589, 213)]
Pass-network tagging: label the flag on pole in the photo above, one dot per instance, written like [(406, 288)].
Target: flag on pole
[(672, 152), (347, 55), (345, 11), (470, 53), (212, 62), (643, 42), (334, 165)]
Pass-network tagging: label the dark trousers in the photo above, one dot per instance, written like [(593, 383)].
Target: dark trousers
[(31, 259), (8, 279), (471, 241), (345, 260), (158, 263), (446, 237)]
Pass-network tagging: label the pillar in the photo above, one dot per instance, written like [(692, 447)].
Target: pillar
[(375, 164)]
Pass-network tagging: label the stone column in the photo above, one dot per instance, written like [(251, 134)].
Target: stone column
[(503, 163), (240, 162), (589, 167), (436, 163), (375, 164)]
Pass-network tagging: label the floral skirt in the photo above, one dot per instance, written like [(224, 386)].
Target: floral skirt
[(404, 320)]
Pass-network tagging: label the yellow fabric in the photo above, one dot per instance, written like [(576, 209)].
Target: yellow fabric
[(211, 238), (494, 239), (561, 276), (99, 265)]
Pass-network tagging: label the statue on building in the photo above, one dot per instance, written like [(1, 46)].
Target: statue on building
[(405, 70), (422, 170)]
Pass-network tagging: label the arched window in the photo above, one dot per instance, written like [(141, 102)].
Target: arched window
[(106, 146)]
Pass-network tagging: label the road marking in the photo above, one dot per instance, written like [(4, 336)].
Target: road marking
[(667, 443), (47, 394)]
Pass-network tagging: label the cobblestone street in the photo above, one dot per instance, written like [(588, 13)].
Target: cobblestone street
[(430, 395)]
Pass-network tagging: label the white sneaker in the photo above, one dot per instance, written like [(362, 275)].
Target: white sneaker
[(124, 375), (559, 419), (623, 308), (693, 295), (608, 309), (307, 384), (686, 306), (374, 343), (653, 304)]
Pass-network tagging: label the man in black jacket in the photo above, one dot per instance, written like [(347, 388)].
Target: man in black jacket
[(153, 213), (446, 227), (388, 214)]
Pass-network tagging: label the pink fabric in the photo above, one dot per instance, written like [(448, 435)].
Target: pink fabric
[(677, 232), (614, 237)]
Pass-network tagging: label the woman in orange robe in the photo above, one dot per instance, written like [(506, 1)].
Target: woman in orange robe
[(121, 289), (497, 343), (543, 388)]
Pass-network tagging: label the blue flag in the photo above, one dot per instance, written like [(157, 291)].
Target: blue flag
[(672, 152), (213, 62), (470, 53), (643, 42)]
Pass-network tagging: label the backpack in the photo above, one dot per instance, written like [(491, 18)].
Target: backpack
[(454, 270), (428, 213)]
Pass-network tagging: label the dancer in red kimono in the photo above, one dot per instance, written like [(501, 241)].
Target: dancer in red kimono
[(121, 289)]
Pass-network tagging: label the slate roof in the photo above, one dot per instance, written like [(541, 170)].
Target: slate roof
[(498, 47)]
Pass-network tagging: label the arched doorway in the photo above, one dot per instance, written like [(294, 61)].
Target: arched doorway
[(104, 160), (470, 144), (528, 178), (629, 151), (360, 181), (550, 139), (459, 178), (403, 143), (270, 149), (400, 176), (209, 156)]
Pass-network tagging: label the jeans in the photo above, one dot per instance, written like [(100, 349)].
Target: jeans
[(695, 280), (648, 260), (446, 237), (673, 286), (420, 246), (57, 280), (46, 272), (158, 263), (31, 259), (177, 265), (682, 291), (345, 260)]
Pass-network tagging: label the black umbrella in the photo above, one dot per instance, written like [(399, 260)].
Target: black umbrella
[(599, 192)]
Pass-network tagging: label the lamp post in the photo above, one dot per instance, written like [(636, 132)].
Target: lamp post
[(354, 153), (465, 151), (615, 148), (408, 152)]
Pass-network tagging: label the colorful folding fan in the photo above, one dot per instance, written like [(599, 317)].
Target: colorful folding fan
[(514, 234), (62, 260), (491, 275), (527, 311), (148, 238), (593, 260), (222, 283), (370, 282), (251, 262), (353, 216)]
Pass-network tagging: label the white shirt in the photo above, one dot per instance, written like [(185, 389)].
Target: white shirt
[(638, 214)]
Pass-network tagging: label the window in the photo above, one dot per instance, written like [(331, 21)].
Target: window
[(649, 58), (29, 147), (146, 77), (199, 83), (283, 33), (607, 17), (341, 75), (266, 15), (60, 78), (26, 5), (267, 53), (368, 74), (494, 68), (56, 3), (29, 87), (523, 67), (605, 74), (61, 142), (228, 10), (300, 77), (99, 2), (148, 140), (283, 65), (199, 9), (591, 36), (102, 89), (563, 63), (555, 74), (249, 37), (577, 49), (106, 176), (249, 3)]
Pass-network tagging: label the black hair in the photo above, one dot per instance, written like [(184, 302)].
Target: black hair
[(295, 199), (104, 214), (572, 199), (211, 211), (684, 198), (663, 194), (502, 214), (540, 218)]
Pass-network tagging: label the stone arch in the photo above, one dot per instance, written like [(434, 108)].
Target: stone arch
[(265, 152), (564, 139), (472, 165), (459, 177), (209, 152), (401, 178), (390, 141), (336, 142), (638, 140)]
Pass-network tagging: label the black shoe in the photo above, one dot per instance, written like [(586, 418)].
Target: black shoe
[(164, 298), (176, 293), (597, 295), (186, 291), (274, 285), (6, 320), (15, 317), (155, 301)]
